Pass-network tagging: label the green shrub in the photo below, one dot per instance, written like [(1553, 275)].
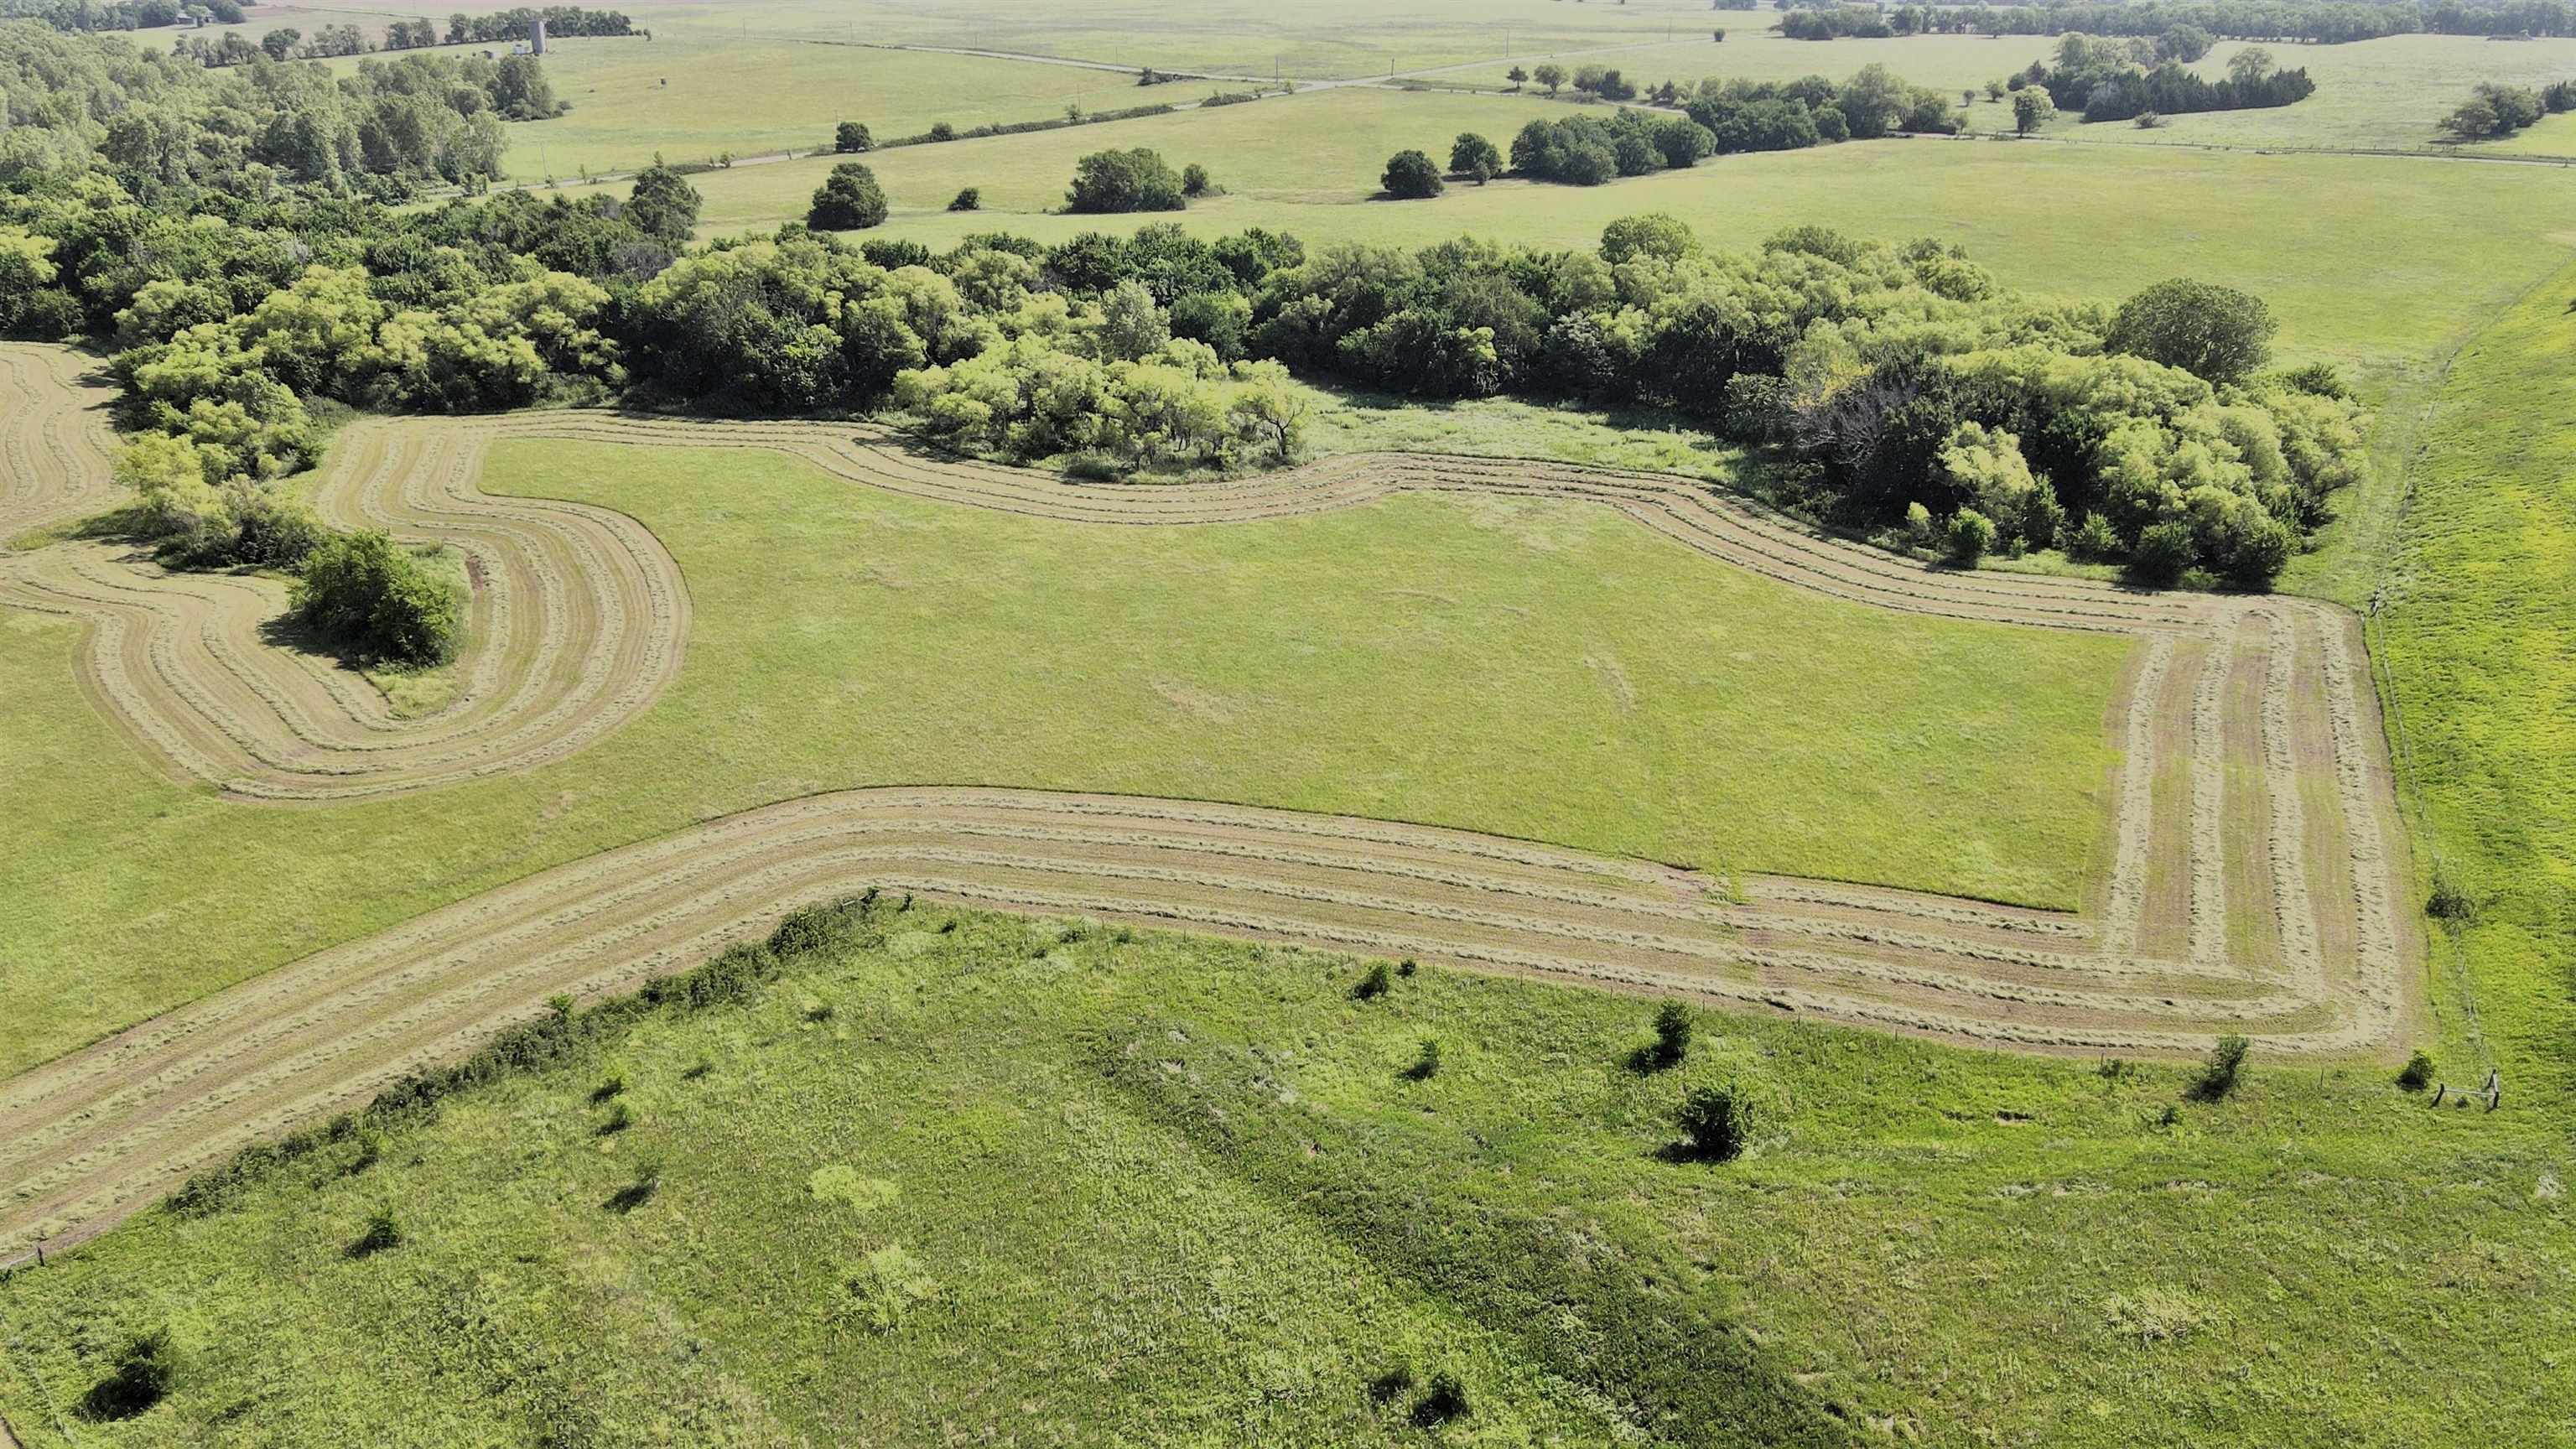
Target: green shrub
[(968, 199), (1373, 985), (2450, 903), (1446, 1400), (363, 593), (1672, 1033), (2417, 1074), (2094, 538), (2226, 1064), (620, 1117), (1411, 175), (848, 200), (851, 137), (2164, 550), (1717, 1124), (382, 1232), (1968, 538), (1194, 180), (1426, 1065), (145, 1369), (1119, 181)]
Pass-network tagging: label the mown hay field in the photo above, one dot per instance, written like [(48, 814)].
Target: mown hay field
[(1532, 668), (1256, 1205)]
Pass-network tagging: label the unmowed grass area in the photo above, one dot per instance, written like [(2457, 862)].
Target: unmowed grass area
[(2476, 643), (1547, 670), (970, 1178)]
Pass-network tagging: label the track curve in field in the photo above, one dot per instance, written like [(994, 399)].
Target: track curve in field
[(2250, 878)]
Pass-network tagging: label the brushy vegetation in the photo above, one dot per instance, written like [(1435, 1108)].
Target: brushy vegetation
[(838, 1213), (363, 592)]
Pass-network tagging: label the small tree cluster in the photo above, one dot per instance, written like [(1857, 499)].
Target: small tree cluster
[(848, 200), (365, 593)]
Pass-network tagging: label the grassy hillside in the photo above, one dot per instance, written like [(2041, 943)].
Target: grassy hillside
[(1548, 670), (975, 1178), (2476, 640)]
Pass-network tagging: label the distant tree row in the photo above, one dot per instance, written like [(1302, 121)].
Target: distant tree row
[(2108, 80), (2322, 21), (2493, 112)]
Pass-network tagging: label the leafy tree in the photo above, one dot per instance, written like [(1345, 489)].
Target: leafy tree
[(280, 43), (662, 205), (363, 591), (2250, 65), (967, 199), (1123, 181), (1194, 180), (1516, 76), (1550, 75), (2495, 110), (851, 137), (1475, 158), (2184, 43), (2162, 552), (1648, 234), (2213, 332), (1411, 175), (2031, 109), (848, 200)]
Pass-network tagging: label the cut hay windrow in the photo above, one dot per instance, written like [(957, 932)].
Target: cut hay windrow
[(579, 619)]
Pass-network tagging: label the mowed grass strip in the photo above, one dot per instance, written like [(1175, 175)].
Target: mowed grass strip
[(981, 1173), (2477, 648), (1547, 670)]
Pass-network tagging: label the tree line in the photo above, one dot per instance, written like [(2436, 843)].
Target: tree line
[(1882, 379), (2327, 22), (2109, 79)]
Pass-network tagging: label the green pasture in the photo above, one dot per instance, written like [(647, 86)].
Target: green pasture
[(979, 1179), (691, 95), (2476, 640), (1546, 670)]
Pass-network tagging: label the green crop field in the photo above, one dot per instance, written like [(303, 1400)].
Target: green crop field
[(984, 1178), (844, 637)]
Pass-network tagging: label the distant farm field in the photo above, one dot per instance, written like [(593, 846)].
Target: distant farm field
[(2434, 247), (1531, 668)]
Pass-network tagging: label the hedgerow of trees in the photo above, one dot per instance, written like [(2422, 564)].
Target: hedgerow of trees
[(2495, 111), (2322, 21), (2110, 80)]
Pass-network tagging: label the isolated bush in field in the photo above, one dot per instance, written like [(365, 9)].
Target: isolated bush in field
[(2149, 120), (1474, 157), (1374, 984), (363, 592), (968, 199), (1121, 181), (1410, 176), (849, 199), (942, 131), (850, 137), (1672, 1034), (1969, 536), (146, 1369), (1425, 1064), (1446, 1400), (2450, 903), (2417, 1074), (382, 1232), (2226, 1064), (2213, 332), (1195, 181), (1717, 1123)]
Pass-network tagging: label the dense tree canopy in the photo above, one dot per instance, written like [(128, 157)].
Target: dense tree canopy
[(1116, 181)]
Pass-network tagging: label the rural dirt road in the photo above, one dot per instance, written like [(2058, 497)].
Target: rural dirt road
[(2251, 878)]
